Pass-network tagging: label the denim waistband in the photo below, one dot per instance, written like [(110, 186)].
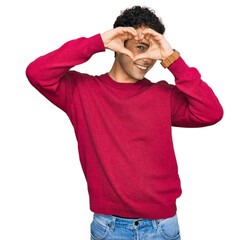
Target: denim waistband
[(123, 217), (111, 221)]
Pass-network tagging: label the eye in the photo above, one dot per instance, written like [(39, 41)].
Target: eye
[(141, 47)]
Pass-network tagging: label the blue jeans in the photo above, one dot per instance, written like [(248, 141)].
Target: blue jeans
[(108, 227)]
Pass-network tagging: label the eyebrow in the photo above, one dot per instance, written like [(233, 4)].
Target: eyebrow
[(144, 44)]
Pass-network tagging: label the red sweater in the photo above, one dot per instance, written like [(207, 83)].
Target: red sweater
[(124, 129)]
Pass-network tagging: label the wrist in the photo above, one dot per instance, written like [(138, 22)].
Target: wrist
[(170, 59), (104, 37), (167, 54)]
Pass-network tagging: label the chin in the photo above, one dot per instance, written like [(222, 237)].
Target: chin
[(138, 77)]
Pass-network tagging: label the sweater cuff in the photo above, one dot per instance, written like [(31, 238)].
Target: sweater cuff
[(178, 68), (95, 44)]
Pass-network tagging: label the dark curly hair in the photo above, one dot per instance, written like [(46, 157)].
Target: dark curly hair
[(139, 16)]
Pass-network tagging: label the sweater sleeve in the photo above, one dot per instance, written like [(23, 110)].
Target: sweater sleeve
[(50, 74), (193, 102)]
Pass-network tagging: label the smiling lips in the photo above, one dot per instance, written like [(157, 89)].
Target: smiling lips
[(141, 67)]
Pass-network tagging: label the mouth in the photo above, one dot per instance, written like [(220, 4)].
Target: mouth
[(144, 68)]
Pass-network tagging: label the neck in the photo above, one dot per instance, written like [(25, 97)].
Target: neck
[(118, 74)]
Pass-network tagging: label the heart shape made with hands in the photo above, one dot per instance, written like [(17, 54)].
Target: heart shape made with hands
[(159, 48)]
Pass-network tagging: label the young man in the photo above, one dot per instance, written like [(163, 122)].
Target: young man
[(123, 121)]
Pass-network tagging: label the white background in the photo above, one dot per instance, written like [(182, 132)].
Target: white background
[(43, 193)]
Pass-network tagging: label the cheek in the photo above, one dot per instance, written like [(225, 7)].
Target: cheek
[(134, 50), (125, 61)]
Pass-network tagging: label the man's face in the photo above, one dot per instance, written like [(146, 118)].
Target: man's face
[(136, 70)]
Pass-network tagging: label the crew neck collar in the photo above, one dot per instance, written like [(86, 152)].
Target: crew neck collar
[(121, 85)]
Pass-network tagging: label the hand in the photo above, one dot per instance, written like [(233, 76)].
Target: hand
[(159, 48), (114, 39)]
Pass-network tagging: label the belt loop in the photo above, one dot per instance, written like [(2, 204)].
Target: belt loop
[(155, 223), (112, 227)]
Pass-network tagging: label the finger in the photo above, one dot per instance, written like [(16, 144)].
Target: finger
[(133, 30), (130, 30), (129, 36), (151, 41), (140, 36), (137, 38), (126, 36), (140, 56), (147, 37), (152, 33), (127, 52)]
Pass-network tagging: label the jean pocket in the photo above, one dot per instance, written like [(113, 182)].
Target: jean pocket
[(98, 230), (169, 228)]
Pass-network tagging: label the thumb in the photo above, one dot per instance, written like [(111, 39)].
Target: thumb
[(140, 56)]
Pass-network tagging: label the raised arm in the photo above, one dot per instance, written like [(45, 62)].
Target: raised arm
[(50, 74), (193, 102)]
